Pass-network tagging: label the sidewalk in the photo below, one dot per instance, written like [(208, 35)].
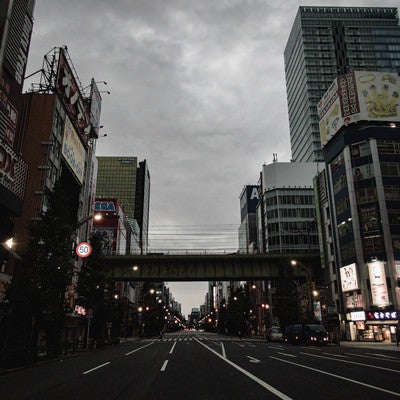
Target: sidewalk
[(373, 345)]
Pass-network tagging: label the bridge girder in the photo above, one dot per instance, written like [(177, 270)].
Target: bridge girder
[(207, 267)]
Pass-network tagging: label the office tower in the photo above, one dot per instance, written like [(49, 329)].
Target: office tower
[(121, 178), (142, 205), (326, 42), (249, 199)]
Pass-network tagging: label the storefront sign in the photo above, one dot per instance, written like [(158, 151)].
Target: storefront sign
[(357, 316), (382, 315), (104, 206)]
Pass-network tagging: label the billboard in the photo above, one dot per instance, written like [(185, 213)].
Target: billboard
[(249, 200), (71, 97), (358, 96), (348, 278), (377, 277), (73, 151), (95, 108)]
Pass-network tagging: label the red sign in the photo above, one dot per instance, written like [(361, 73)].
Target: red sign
[(83, 250)]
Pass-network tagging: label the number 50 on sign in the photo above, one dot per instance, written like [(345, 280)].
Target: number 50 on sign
[(83, 249)]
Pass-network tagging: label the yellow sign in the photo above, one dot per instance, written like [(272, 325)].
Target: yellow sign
[(73, 151)]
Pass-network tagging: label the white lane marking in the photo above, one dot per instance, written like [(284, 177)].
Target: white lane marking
[(335, 355), (286, 354), (384, 356), (93, 369), (140, 348), (164, 366), (253, 360), (353, 362), (276, 347), (337, 376), (223, 350), (265, 385), (172, 348)]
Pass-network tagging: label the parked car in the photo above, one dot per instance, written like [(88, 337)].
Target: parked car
[(306, 334), (274, 334)]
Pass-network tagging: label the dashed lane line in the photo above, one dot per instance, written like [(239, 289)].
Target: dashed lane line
[(265, 385), (337, 376)]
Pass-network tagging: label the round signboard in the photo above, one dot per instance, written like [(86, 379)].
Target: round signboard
[(83, 249)]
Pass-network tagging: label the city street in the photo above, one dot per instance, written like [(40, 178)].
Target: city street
[(200, 365)]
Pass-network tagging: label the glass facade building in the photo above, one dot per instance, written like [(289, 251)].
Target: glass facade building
[(326, 42), (129, 181), (116, 177)]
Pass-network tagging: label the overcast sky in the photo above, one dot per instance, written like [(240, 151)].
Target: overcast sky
[(197, 89)]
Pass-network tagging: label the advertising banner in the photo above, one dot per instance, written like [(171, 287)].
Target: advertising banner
[(377, 277), (348, 278), (95, 108), (71, 97), (358, 96), (73, 151)]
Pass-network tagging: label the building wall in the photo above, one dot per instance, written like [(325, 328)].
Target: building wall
[(288, 209), (366, 216), (16, 22), (40, 155)]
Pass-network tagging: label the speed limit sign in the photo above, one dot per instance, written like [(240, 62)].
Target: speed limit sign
[(83, 249)]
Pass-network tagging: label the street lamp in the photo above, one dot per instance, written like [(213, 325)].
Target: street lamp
[(8, 246), (310, 306)]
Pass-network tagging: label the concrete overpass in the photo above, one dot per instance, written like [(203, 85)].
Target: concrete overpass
[(209, 267)]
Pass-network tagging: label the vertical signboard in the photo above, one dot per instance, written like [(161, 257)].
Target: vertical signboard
[(348, 278), (377, 277), (71, 97), (95, 108)]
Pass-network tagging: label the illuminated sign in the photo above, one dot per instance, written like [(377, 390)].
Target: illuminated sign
[(73, 151), (377, 277), (104, 206), (357, 315), (382, 315), (348, 277)]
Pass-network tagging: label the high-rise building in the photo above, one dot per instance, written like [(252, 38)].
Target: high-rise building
[(121, 178), (142, 205), (16, 22), (249, 199), (360, 130), (326, 42)]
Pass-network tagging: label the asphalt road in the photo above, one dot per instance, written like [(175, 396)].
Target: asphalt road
[(199, 365)]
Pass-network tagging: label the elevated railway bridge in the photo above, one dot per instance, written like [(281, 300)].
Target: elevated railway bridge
[(210, 267)]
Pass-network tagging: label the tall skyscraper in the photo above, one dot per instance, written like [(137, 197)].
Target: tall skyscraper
[(326, 42), (122, 178), (116, 177)]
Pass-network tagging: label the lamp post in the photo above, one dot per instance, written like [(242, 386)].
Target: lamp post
[(309, 284), (123, 294)]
